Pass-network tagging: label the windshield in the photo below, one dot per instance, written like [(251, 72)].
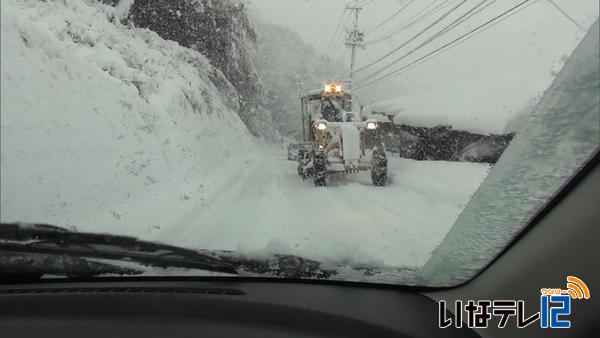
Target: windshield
[(382, 141)]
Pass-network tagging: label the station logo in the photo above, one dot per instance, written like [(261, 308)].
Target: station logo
[(554, 309)]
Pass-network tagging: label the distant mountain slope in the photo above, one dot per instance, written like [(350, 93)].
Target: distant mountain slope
[(288, 65)]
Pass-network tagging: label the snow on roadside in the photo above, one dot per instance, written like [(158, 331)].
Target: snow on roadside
[(103, 127), (487, 111)]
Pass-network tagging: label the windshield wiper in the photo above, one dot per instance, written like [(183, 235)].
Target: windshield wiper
[(33, 250), (44, 239), (26, 267)]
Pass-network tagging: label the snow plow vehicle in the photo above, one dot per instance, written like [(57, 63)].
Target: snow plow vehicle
[(338, 140)]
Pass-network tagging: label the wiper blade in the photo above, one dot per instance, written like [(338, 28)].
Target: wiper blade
[(279, 265), (26, 267), (46, 239)]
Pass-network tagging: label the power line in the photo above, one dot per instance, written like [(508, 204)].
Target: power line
[(391, 17), (413, 38), (457, 41), (336, 47), (413, 20), (329, 46), (480, 10), (437, 35), (466, 16), (335, 33), (427, 58), (565, 14), (479, 29), (424, 16), (366, 3)]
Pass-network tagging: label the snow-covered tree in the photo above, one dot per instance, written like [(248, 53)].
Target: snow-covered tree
[(220, 30), (287, 66)]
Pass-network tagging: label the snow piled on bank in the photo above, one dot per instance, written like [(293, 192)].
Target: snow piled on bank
[(105, 127), (487, 111)]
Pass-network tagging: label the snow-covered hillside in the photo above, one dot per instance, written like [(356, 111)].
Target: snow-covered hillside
[(223, 32), (103, 126)]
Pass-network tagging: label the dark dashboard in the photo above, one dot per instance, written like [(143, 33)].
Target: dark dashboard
[(217, 308)]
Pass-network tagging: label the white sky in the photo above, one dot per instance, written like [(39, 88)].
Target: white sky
[(525, 48)]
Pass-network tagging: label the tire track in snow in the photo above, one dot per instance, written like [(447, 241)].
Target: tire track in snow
[(266, 205)]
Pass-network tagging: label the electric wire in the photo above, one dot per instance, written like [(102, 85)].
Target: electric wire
[(413, 20), (391, 17), (565, 14), (335, 33), (390, 53), (477, 30), (439, 34)]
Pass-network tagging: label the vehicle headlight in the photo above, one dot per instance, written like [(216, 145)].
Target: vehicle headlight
[(371, 125), (321, 126)]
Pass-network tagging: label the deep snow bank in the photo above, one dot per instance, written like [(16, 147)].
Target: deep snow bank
[(487, 111), (105, 127), (561, 134)]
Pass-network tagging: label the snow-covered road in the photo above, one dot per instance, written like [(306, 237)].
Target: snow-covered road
[(266, 207)]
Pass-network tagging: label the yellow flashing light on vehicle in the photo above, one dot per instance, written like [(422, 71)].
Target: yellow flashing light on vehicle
[(332, 88)]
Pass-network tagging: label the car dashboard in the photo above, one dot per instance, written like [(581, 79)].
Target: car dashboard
[(215, 308)]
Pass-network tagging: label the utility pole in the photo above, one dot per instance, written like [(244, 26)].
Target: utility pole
[(299, 83), (354, 39)]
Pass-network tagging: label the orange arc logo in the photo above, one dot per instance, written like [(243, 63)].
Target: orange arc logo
[(577, 288)]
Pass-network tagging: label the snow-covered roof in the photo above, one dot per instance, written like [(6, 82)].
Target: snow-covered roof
[(491, 108), (379, 117)]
